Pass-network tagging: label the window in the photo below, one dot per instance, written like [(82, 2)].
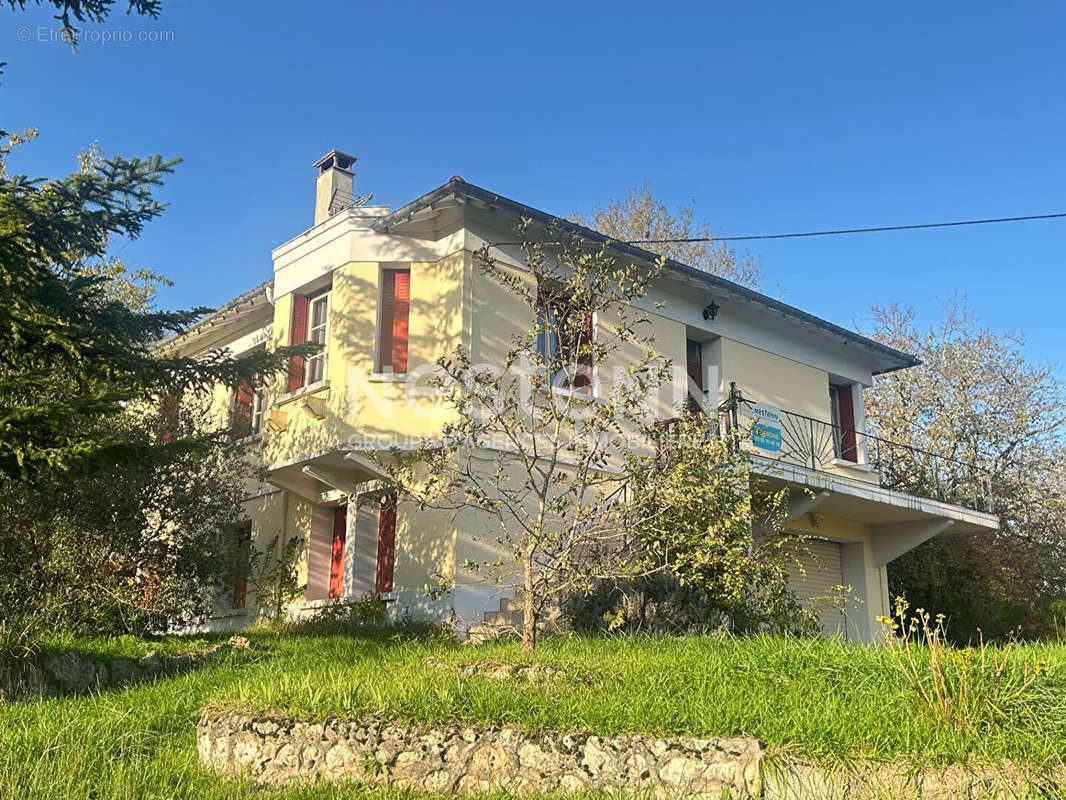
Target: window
[(310, 323), (386, 545), (395, 315), (694, 362), (247, 410), (169, 415), (565, 344), (842, 402), (316, 365), (336, 553)]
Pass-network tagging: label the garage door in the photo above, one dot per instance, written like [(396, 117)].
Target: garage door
[(815, 575)]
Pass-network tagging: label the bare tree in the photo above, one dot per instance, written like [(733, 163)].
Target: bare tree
[(641, 217)]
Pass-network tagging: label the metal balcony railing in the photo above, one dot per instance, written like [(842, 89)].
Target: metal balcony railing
[(822, 446)]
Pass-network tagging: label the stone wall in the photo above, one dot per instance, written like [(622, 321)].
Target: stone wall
[(467, 759), (72, 672)]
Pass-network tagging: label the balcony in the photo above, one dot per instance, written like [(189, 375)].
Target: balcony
[(788, 439)]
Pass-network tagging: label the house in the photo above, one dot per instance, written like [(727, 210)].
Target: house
[(386, 292)]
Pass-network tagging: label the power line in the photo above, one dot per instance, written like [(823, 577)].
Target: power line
[(836, 232), (879, 229)]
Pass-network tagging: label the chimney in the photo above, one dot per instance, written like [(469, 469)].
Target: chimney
[(334, 185)]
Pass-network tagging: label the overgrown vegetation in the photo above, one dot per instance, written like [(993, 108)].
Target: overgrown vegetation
[(822, 698), (707, 523), (117, 497)]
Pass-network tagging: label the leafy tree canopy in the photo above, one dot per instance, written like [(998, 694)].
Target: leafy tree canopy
[(71, 351), (996, 421)]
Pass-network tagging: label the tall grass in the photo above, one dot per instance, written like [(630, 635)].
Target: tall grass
[(969, 688), (825, 699)]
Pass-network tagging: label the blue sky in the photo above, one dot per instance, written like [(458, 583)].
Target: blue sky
[(766, 117)]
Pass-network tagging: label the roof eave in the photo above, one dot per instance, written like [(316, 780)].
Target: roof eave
[(457, 184), (241, 304)]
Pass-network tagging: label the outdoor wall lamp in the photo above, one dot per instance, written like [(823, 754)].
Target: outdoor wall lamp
[(711, 311)]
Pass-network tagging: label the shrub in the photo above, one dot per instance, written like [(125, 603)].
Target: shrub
[(706, 548), (968, 688)]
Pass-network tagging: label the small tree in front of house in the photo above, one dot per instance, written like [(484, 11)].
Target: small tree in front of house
[(560, 452), (538, 443)]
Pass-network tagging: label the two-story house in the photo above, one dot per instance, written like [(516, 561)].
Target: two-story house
[(386, 292)]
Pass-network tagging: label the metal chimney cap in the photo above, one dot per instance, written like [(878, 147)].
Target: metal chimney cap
[(335, 159)]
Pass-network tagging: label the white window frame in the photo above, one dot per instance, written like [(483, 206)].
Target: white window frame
[(321, 356), (545, 349), (258, 406)]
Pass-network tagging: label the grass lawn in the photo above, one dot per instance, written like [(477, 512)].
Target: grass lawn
[(820, 698)]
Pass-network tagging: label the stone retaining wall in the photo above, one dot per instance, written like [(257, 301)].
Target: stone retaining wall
[(72, 672), (466, 759)]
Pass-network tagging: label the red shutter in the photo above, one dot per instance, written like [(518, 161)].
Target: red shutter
[(583, 377), (386, 545), (395, 313), (848, 449), (297, 335), (694, 353), (171, 407), (240, 570), (242, 409), (336, 560)]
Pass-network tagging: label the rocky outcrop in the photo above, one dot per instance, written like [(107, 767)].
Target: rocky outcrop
[(468, 759), (72, 673)]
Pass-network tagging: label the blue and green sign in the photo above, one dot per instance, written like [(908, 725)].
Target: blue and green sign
[(766, 427)]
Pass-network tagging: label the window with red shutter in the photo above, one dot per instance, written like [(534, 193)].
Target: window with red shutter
[(843, 408), (582, 380), (310, 323), (336, 560), (297, 335), (243, 410), (395, 315), (567, 346), (170, 408), (386, 545)]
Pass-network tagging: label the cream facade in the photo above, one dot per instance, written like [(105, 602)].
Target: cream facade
[(388, 292)]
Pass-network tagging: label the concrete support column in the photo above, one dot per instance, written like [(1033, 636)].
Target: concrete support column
[(853, 573)]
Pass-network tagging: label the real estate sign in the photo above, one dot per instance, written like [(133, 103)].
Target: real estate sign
[(766, 427)]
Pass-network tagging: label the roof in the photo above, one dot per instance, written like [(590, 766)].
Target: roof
[(233, 308), (457, 185)]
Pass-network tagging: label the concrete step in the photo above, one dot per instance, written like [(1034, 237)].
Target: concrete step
[(512, 605), (503, 618)]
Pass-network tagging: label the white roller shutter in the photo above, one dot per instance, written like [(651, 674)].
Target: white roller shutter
[(815, 575)]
